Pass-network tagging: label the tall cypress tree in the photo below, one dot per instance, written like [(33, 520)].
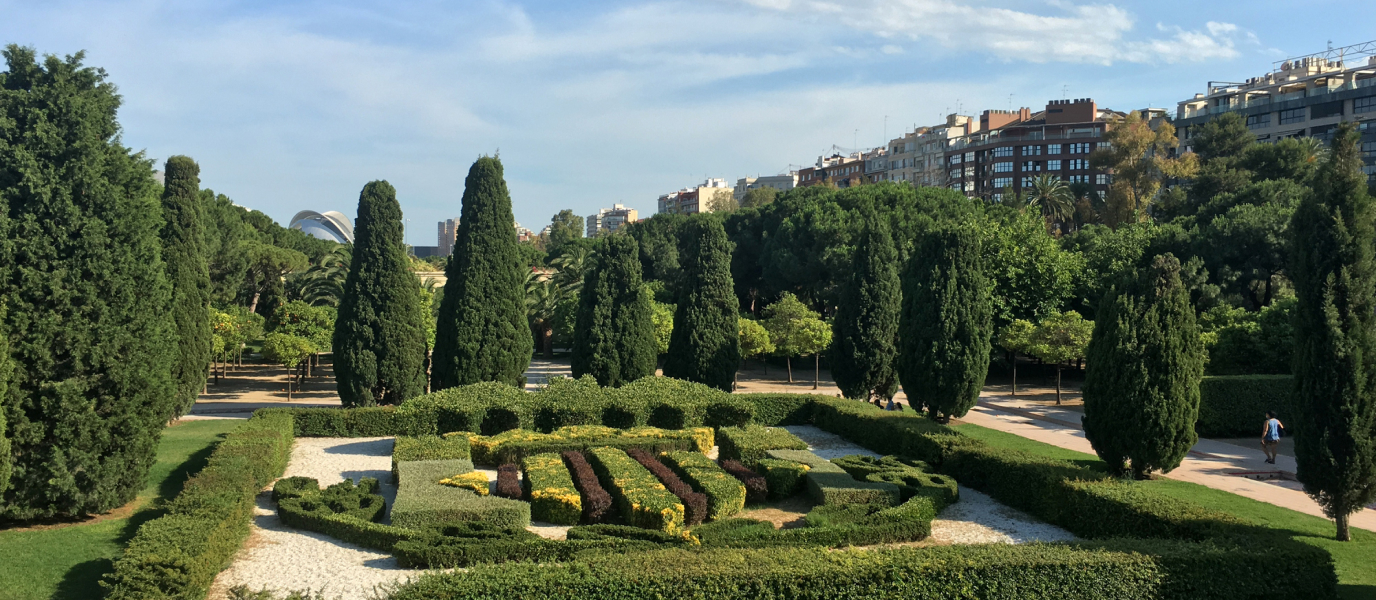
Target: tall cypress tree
[(614, 336), (865, 332), (946, 324), (1335, 346), (705, 346), (89, 305), (379, 335), (482, 334), (183, 249), (1145, 360), (5, 466)]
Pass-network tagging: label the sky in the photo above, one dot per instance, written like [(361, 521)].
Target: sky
[(295, 105)]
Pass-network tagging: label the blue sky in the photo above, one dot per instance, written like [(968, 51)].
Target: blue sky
[(295, 105)]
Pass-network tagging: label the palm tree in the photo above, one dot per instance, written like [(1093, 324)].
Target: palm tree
[(542, 299), (323, 283), (1054, 197)]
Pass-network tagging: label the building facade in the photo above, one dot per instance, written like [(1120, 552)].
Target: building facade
[(841, 170), (919, 157), (782, 183), (696, 199), (610, 220), (448, 231)]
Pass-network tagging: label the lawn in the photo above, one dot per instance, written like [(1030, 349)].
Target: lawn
[(1355, 561), (68, 561)]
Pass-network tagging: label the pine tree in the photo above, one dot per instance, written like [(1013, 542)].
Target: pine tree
[(946, 324), (614, 337), (865, 340), (183, 250), (89, 306), (1145, 360), (379, 335), (1335, 347), (705, 344), (482, 333)]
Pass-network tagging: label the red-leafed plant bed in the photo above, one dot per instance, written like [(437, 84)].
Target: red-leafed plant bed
[(694, 503), (597, 503), (755, 488)]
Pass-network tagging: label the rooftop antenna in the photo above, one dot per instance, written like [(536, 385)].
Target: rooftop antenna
[(1065, 92), (1010, 102)]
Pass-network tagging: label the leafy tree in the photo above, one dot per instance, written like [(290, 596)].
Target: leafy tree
[(663, 318), (786, 320), (267, 265), (5, 458), (1244, 239), (226, 234), (614, 340), (315, 323), (1109, 255), (1140, 160), (288, 351), (705, 346), (865, 331), (379, 340), (1031, 276), (1016, 338), (658, 239), (542, 301), (1226, 136), (945, 325), (758, 197), (754, 338), (89, 306), (1335, 346), (807, 252), (1295, 159), (722, 201), (1144, 364), (1060, 339), (483, 334), (1241, 342), (183, 246), (563, 228), (1052, 198)]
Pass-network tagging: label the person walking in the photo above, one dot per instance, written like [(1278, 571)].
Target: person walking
[(1270, 436)]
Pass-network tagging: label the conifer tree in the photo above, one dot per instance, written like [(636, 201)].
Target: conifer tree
[(4, 378), (614, 337), (705, 344), (945, 325), (1335, 346), (89, 306), (482, 333), (379, 334), (183, 251), (865, 340), (1144, 363)]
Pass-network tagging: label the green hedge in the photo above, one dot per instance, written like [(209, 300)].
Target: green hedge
[(342, 511), (1235, 406), (887, 432), (423, 503), (443, 552), (429, 447), (512, 446), (750, 443), (785, 478), (835, 526), (639, 496), (548, 486), (373, 421), (178, 555), (725, 493), (829, 484), (775, 410)]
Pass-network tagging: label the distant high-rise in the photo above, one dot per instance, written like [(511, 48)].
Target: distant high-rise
[(449, 229), (611, 219)]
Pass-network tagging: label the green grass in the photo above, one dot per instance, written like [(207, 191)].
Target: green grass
[(1355, 561), (68, 561)]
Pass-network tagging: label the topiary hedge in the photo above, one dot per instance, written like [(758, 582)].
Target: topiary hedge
[(750, 443), (725, 494), (1235, 406), (422, 502), (785, 478), (776, 410), (429, 447), (639, 496), (829, 484), (694, 503), (549, 488), (512, 446), (374, 421)]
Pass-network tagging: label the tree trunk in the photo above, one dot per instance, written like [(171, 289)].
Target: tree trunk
[(1058, 384), (1015, 373), (288, 384), (253, 306), (817, 369), (1343, 534), (789, 361)]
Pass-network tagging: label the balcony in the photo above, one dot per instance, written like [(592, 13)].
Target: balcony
[(1035, 136)]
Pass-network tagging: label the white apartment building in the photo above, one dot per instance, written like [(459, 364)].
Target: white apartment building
[(783, 183), (918, 157), (695, 199), (611, 219)]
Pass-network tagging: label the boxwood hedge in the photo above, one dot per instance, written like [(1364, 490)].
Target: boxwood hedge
[(640, 498), (750, 443), (725, 494), (513, 445), (422, 502)]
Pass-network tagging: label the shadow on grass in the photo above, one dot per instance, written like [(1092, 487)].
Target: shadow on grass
[(1357, 592), (82, 581)]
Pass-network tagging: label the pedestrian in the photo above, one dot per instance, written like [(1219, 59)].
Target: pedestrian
[(1270, 436)]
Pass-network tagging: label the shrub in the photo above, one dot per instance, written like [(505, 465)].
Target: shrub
[(423, 503), (775, 410), (725, 494), (1235, 406), (836, 526), (694, 503), (861, 466), (640, 498), (294, 487), (626, 532), (886, 432), (488, 408), (447, 552), (549, 488), (376, 421), (429, 447), (343, 510), (475, 481), (597, 503), (509, 481), (830, 484), (756, 488), (749, 444), (940, 489), (783, 477), (513, 445)]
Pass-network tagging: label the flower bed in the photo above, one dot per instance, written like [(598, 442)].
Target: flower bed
[(640, 498), (694, 503), (513, 445), (725, 494), (550, 489)]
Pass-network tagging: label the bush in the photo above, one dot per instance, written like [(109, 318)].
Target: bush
[(423, 503), (784, 478), (447, 552), (511, 446), (509, 481), (1235, 406), (749, 444), (429, 447), (342, 511), (775, 410), (830, 484), (178, 555), (886, 432), (597, 503), (940, 489), (639, 497), (756, 488), (376, 421), (488, 408), (694, 503), (475, 481), (836, 526), (861, 466), (725, 494), (550, 490)]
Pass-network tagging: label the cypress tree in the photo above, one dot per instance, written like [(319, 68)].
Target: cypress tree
[(865, 332), (89, 304), (4, 380), (183, 249), (482, 334), (1145, 360), (1335, 349), (945, 325), (705, 344), (379, 335), (614, 336)]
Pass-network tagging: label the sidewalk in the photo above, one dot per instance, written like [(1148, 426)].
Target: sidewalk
[(1211, 463)]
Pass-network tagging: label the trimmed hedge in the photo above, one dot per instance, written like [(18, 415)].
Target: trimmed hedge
[(429, 447), (474, 481), (860, 465), (446, 552), (836, 526), (1235, 406), (785, 478), (756, 488), (597, 503), (342, 511), (372, 421), (887, 432), (775, 410), (509, 481), (829, 484), (549, 488), (694, 503), (423, 503), (178, 555), (725, 494), (511, 446), (626, 532), (750, 443), (639, 496)]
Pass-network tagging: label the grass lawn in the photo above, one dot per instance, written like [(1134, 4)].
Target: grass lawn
[(1355, 561), (68, 561)]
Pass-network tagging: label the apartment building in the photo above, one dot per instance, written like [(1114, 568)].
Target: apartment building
[(876, 164), (694, 199), (1306, 96), (611, 220), (844, 171), (782, 183), (919, 157), (449, 229), (1010, 148)]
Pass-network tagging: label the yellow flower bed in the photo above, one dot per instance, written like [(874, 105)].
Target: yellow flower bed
[(641, 498), (512, 445), (476, 481), (553, 497)]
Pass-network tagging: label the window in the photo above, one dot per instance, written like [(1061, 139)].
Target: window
[(998, 197), (1003, 182), (1003, 167), (1363, 105), (969, 186), (1078, 164), (1325, 110), (1003, 151), (1053, 165), (1079, 179), (1294, 115), (969, 157), (1081, 148), (955, 173), (1031, 150), (1031, 166), (1260, 121), (1053, 148), (1101, 179), (1027, 181), (969, 171), (955, 159)]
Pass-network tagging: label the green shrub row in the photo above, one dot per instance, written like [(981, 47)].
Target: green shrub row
[(548, 486), (749, 444), (429, 447), (913, 477), (513, 445), (373, 421), (442, 552), (785, 478), (725, 494), (423, 503), (639, 496), (342, 511), (776, 410), (834, 526), (179, 554), (829, 484), (1235, 406)]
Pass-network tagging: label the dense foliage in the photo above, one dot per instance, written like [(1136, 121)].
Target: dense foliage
[(705, 346), (614, 339), (183, 249), (865, 332)]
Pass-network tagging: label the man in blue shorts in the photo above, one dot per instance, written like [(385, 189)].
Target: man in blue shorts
[(1270, 437)]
